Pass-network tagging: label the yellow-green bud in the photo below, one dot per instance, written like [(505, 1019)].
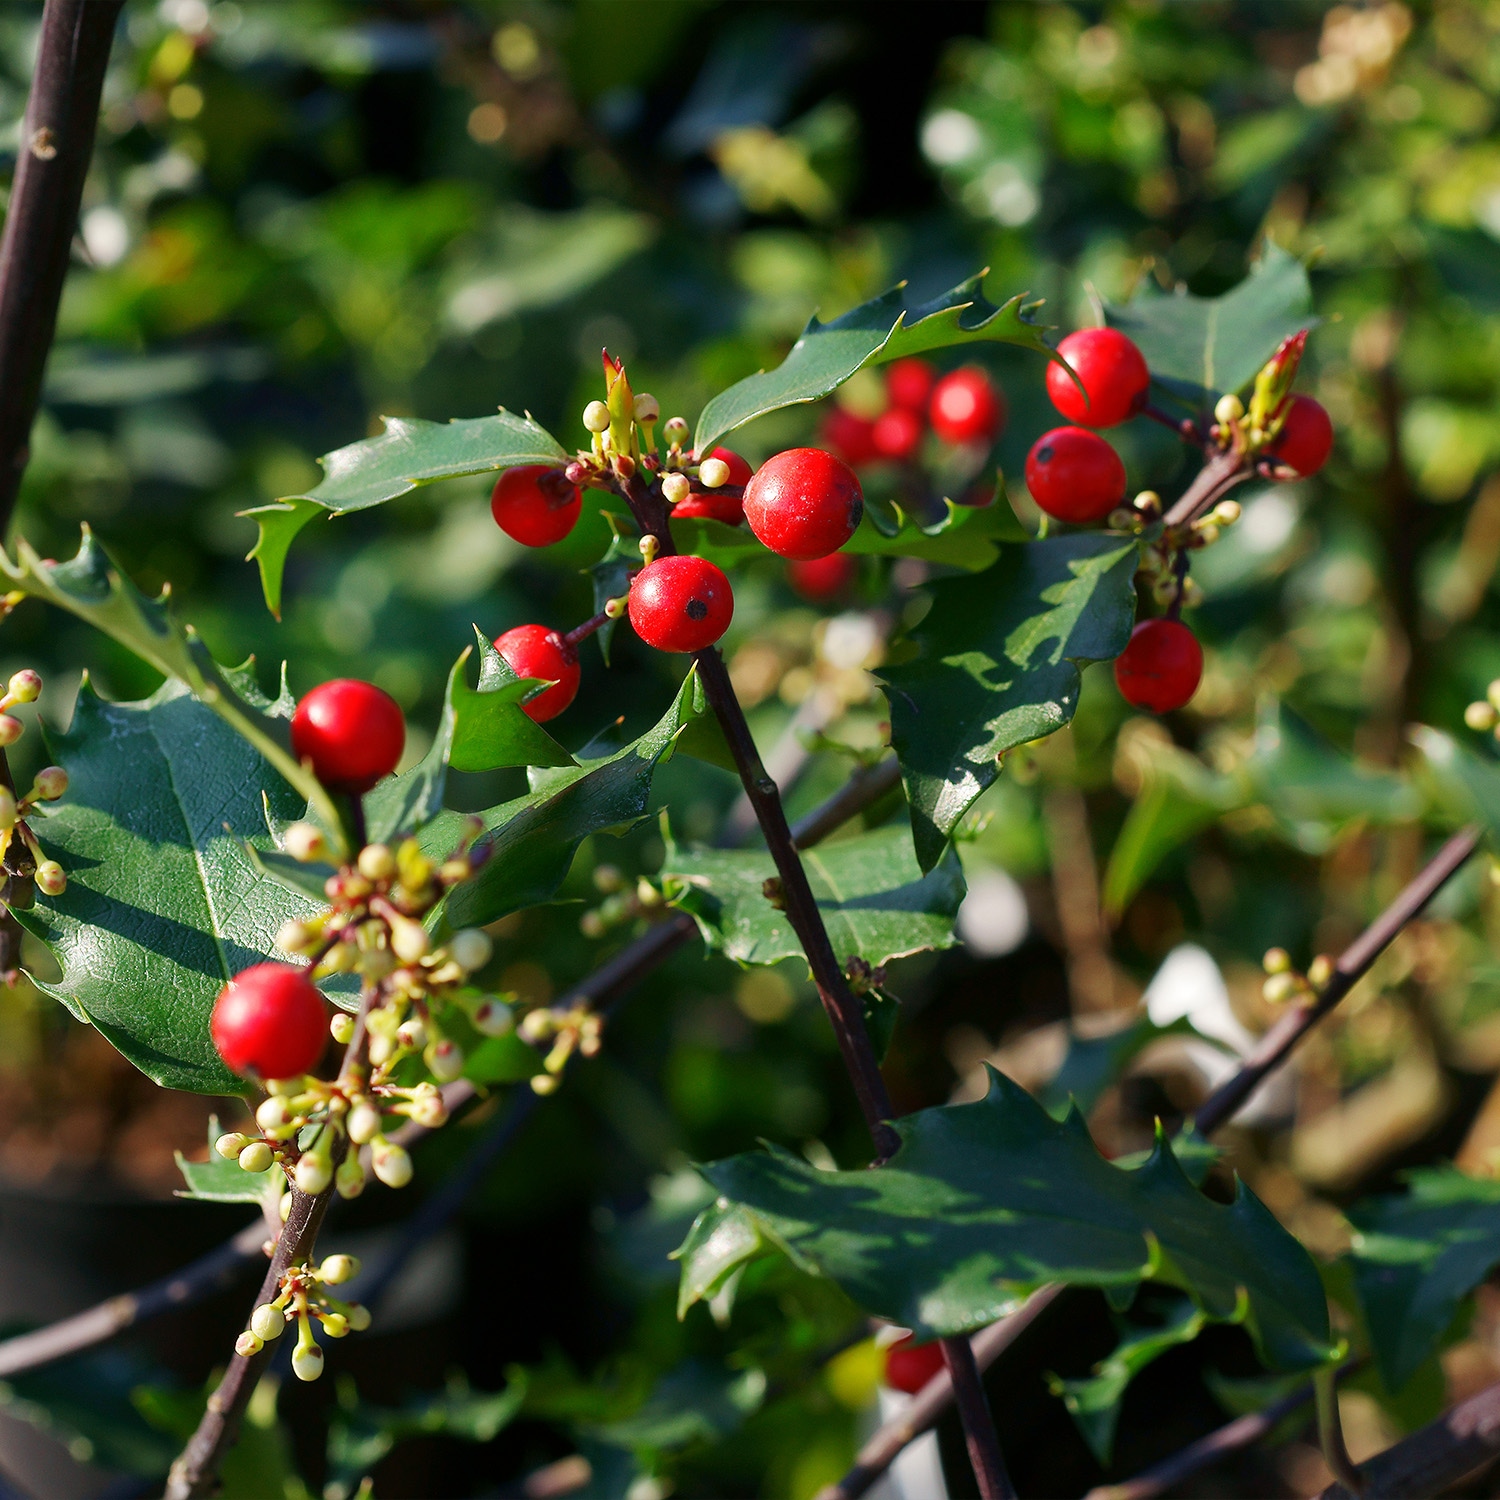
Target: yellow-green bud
[(307, 1361), (470, 949), (296, 937), (248, 1344), (1229, 409), (305, 842), (350, 1177), (50, 879), (229, 1146), (363, 1123), (1279, 988), (1227, 512), (339, 1268), (51, 782), (676, 487), (713, 472), (1320, 971), (256, 1157), (1276, 961), (313, 1174), (335, 1325), (266, 1322), (25, 686), (341, 1028), (286, 1207), (596, 416), (376, 862), (409, 940), (1492, 692), (391, 1163), (11, 729), (1479, 716), (675, 430)]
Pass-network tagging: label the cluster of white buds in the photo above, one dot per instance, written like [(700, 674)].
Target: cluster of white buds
[(580, 1029), (303, 1298), (48, 785), (1485, 714), (1284, 983), (1140, 513), (623, 903), (1163, 567)]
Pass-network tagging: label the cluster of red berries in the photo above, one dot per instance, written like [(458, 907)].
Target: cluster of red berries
[(964, 408)]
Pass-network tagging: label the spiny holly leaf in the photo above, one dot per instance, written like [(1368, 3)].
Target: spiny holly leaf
[(218, 1180), (1416, 1256), (1094, 1403), (1200, 347), (967, 536), (985, 1202), (90, 586), (997, 664), (279, 523), (875, 902), (882, 329), (491, 730), (532, 840), (163, 904)]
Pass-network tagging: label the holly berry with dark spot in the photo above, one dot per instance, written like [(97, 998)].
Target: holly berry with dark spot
[(1161, 667), (897, 433), (909, 1366), (535, 504), (967, 407), (909, 383), (1306, 437), (1114, 376), (852, 436), (351, 731), (680, 603), (536, 651), (804, 503), (270, 1022), (822, 579), (1074, 475), (714, 505)]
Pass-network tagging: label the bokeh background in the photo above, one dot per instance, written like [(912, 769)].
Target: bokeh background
[(305, 215)]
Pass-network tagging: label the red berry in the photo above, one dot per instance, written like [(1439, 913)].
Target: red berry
[(270, 1021), (852, 436), (909, 1366), (1306, 437), (967, 407), (1113, 372), (897, 433), (822, 578), (804, 503), (1161, 667), (715, 505), (680, 604), (535, 504), (351, 731), (1075, 475), (535, 651), (909, 382)]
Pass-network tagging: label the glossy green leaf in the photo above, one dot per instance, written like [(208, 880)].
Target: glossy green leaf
[(1416, 1256), (985, 1202), (1200, 347), (490, 729), (611, 574), (90, 586), (882, 329), (1094, 1403), (875, 902), (997, 664), (532, 840), (696, 1402), (412, 451), (967, 537), (279, 523), (218, 1180), (163, 904), (404, 804)]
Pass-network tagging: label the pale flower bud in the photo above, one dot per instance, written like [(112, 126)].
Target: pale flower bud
[(25, 686), (444, 1059), (647, 408), (493, 1018), (247, 1344), (335, 1325), (256, 1157), (11, 729), (713, 472), (50, 879), (1279, 988), (1479, 716), (412, 1033), (596, 416), (1227, 512), (350, 1177), (339, 1268), (229, 1146), (296, 937), (341, 1028), (1229, 409), (359, 1317), (376, 862), (470, 949), (675, 431), (409, 940), (363, 1123), (51, 782), (1320, 971), (1276, 961), (313, 1174), (273, 1113), (676, 487), (429, 1111), (307, 1361), (8, 812), (305, 842), (391, 1163), (266, 1322)]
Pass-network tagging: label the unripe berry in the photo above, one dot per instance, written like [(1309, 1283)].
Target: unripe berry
[(267, 1322), (1113, 373), (804, 503), (536, 651), (444, 1059), (1075, 475), (909, 1366), (270, 1020), (596, 416), (11, 729), (680, 603), (897, 433), (247, 1344), (730, 509), (337, 1269), (51, 782), (305, 842), (1161, 667), (25, 686), (909, 382), (230, 1145), (967, 407), (307, 1361), (821, 579), (313, 1174), (493, 1018), (391, 1163), (1306, 437), (536, 504), (349, 1180), (470, 949), (376, 862), (256, 1157), (50, 879), (351, 732)]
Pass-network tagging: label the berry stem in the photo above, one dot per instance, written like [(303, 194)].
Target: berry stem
[(1220, 474), (843, 1008), (584, 631)]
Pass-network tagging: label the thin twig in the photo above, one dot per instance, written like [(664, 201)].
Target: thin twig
[(57, 142), (1222, 472)]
